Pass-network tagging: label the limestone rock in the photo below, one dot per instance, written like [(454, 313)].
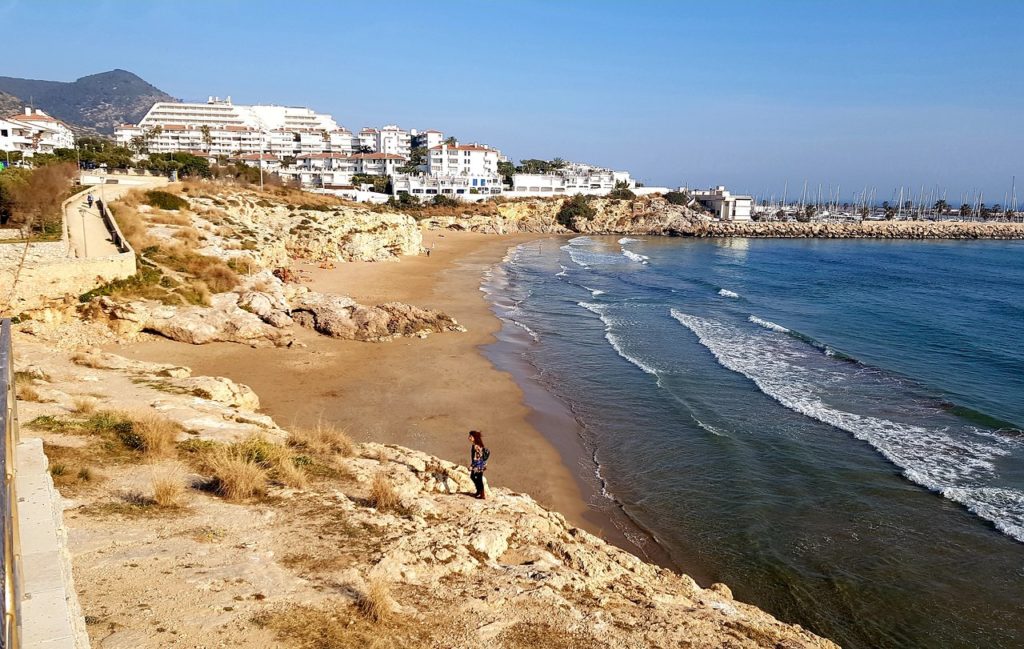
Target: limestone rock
[(341, 317), (223, 390)]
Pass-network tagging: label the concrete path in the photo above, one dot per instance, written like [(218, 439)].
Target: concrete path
[(87, 233)]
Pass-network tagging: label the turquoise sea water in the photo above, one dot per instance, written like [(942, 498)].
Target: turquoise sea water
[(833, 428)]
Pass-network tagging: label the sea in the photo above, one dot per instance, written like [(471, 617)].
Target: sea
[(833, 428)]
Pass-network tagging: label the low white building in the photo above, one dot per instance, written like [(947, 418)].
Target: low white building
[(573, 178), (33, 131), (724, 205), (425, 186)]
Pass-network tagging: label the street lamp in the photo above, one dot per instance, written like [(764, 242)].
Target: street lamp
[(85, 238)]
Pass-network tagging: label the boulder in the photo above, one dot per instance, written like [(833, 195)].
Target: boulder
[(222, 390)]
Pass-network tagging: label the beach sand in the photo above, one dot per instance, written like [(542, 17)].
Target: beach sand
[(421, 393)]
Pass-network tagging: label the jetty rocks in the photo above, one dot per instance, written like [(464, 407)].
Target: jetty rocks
[(654, 215), (263, 311), (861, 230), (302, 560)]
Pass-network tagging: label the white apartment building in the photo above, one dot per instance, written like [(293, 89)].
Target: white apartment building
[(720, 202), (33, 131), (215, 125), (425, 187), (426, 139), (467, 160), (336, 169)]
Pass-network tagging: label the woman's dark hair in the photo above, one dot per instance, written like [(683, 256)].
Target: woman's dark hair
[(477, 436)]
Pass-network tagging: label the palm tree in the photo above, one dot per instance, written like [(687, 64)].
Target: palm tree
[(207, 138)]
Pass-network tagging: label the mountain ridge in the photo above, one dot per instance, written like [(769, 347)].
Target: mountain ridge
[(95, 102)]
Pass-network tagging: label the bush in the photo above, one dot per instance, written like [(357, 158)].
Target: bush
[(375, 601), (168, 489), (444, 201), (574, 209), (236, 475), (165, 200), (146, 432), (678, 198), (622, 193), (383, 496)]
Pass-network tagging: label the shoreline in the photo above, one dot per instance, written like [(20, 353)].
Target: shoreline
[(420, 393)]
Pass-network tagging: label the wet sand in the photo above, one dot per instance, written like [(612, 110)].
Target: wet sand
[(421, 393)]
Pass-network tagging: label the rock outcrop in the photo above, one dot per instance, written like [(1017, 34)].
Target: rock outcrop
[(243, 225), (449, 570), (263, 311)]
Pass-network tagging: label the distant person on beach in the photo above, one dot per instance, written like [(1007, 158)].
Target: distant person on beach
[(478, 455)]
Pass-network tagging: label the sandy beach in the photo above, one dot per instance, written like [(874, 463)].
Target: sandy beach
[(421, 393)]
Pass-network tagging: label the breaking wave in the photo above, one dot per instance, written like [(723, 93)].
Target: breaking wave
[(954, 465), (724, 292)]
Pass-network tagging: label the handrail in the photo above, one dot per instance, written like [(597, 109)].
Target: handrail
[(10, 613), (115, 232)]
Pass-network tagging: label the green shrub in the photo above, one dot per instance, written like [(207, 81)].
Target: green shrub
[(574, 209), (165, 200), (677, 198), (622, 193), (444, 201)]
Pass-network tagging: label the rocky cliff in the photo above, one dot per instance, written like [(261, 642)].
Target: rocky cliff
[(238, 223), (365, 545)]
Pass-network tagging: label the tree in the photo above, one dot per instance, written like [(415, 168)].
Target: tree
[(805, 215), (941, 206), (506, 169), (364, 149), (965, 209), (622, 191), (451, 141), (32, 198), (207, 138)]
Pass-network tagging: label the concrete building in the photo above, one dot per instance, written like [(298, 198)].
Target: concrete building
[(573, 178), (215, 127), (720, 202), (426, 139), (466, 160), (33, 131), (425, 187)]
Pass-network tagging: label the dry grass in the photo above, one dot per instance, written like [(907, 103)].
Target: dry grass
[(235, 475), (27, 392), (168, 489), (149, 433), (169, 218), (338, 626), (83, 405), (189, 237), (375, 601), (323, 437), (383, 496), (87, 360)]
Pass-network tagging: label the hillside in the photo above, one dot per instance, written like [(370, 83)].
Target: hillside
[(98, 102), (9, 104)]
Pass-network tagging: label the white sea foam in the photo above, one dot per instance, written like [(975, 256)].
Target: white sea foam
[(711, 429), (533, 334), (601, 310), (724, 292), (955, 466), (1003, 507), (596, 291), (768, 324), (562, 272), (624, 240), (634, 256)]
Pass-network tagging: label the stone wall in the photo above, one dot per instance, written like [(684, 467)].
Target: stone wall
[(43, 282)]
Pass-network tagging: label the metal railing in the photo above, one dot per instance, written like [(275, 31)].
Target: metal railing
[(115, 232), (11, 556)]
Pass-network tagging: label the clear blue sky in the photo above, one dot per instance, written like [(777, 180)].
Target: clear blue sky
[(749, 94)]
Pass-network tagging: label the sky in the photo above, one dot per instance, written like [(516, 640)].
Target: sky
[(753, 95)]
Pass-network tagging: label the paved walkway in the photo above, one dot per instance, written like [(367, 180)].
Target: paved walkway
[(87, 233)]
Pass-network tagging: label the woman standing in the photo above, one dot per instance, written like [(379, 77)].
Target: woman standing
[(478, 455)]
